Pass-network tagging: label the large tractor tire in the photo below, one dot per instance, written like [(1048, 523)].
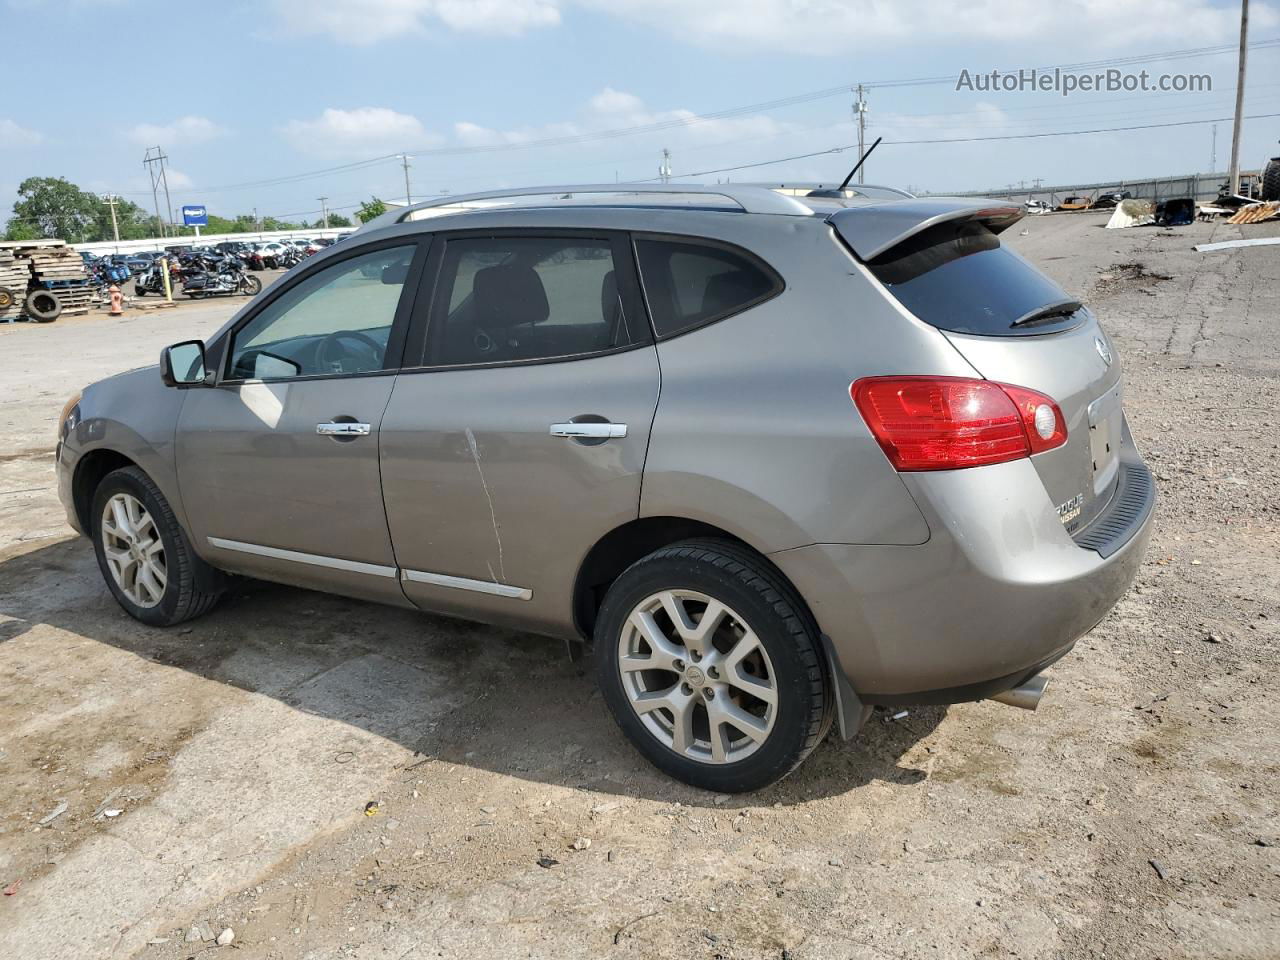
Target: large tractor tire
[(1271, 180)]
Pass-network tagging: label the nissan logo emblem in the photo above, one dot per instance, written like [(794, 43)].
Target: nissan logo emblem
[(1103, 350)]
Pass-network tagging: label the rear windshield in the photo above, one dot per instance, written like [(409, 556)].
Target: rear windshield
[(957, 277)]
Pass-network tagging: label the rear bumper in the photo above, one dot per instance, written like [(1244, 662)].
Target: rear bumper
[(998, 592)]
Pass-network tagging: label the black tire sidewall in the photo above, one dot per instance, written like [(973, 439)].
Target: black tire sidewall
[(39, 315), (787, 741), (122, 481)]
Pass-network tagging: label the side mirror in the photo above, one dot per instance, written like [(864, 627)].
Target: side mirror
[(182, 365)]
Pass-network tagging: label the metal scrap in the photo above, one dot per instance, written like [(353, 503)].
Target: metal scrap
[(1231, 244)]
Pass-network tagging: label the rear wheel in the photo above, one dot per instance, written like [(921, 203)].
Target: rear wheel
[(143, 553), (711, 666)]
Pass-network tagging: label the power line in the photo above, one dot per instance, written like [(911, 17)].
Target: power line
[(727, 113), (1012, 136)]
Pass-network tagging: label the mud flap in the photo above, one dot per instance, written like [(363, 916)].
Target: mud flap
[(851, 712)]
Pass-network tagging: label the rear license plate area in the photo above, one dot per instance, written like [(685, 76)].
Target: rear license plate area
[(1106, 420)]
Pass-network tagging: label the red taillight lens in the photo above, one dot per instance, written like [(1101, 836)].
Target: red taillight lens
[(946, 423)]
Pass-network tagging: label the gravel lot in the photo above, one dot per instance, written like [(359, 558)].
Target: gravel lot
[(1134, 815)]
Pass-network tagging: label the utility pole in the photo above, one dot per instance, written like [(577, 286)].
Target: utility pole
[(257, 224), (154, 162), (1235, 132), (408, 196), (1213, 151), (111, 200), (860, 110), (664, 171), (147, 161), (324, 212)]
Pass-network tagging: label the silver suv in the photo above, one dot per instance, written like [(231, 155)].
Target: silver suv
[(780, 459)]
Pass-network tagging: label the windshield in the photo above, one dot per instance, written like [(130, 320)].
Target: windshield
[(957, 277)]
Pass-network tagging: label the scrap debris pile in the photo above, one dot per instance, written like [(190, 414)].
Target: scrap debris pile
[(42, 280)]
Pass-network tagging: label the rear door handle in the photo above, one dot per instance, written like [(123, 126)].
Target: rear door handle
[(591, 431), (334, 429)]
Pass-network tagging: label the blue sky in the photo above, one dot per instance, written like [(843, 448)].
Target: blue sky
[(243, 93)]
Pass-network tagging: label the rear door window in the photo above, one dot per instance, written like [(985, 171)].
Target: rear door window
[(957, 277), (513, 299), (691, 284)]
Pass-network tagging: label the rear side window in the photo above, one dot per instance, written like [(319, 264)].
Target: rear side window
[(512, 299), (691, 284), (956, 276)]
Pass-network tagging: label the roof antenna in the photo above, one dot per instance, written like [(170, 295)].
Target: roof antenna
[(861, 160), (838, 193)]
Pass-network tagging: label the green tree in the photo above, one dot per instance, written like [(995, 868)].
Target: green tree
[(335, 220), (55, 207), (21, 230), (374, 208), (133, 222)]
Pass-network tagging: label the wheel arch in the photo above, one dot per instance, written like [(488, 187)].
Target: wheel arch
[(89, 473), (629, 542)]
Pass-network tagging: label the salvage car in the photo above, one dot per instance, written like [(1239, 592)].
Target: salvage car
[(778, 460)]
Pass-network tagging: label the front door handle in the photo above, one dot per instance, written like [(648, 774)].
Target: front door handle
[(589, 431), (335, 429)]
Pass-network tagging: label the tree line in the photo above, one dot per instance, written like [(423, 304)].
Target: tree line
[(53, 207)]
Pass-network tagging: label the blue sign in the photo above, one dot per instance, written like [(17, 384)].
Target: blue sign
[(195, 217)]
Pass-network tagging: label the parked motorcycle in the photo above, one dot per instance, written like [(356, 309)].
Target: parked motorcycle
[(228, 277), (152, 280)]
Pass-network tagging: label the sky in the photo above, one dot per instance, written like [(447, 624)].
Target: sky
[(272, 104)]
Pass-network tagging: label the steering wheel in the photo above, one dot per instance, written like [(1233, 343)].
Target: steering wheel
[(328, 356)]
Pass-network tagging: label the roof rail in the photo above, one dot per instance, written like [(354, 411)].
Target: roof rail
[(752, 199)]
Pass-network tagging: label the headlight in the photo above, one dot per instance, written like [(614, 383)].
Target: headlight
[(69, 417)]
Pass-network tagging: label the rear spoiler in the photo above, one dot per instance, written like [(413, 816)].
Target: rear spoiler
[(873, 228)]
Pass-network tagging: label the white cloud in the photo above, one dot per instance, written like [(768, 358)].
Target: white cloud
[(800, 26), (12, 135), (841, 26), (612, 109), (362, 22), (185, 131), (362, 131)]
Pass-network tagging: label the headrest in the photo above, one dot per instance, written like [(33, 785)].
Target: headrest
[(508, 295)]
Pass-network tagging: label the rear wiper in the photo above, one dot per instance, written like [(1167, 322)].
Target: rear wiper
[(1061, 308)]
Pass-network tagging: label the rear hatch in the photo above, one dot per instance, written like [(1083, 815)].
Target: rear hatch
[(943, 261)]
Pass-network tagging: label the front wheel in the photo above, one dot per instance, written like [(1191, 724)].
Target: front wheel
[(250, 286), (143, 554), (710, 664)]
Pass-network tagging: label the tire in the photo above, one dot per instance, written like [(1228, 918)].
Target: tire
[(181, 598), (43, 306), (139, 290), (1271, 180), (7, 298), (251, 286), (787, 659)]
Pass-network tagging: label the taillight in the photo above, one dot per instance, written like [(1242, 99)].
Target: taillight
[(946, 423)]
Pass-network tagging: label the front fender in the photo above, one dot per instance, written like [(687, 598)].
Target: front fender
[(135, 416)]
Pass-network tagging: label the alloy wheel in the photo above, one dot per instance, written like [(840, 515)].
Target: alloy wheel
[(697, 676), (134, 551)]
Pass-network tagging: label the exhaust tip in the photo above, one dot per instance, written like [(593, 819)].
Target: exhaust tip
[(1026, 696)]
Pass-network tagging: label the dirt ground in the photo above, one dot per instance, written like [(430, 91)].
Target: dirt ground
[(217, 775)]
